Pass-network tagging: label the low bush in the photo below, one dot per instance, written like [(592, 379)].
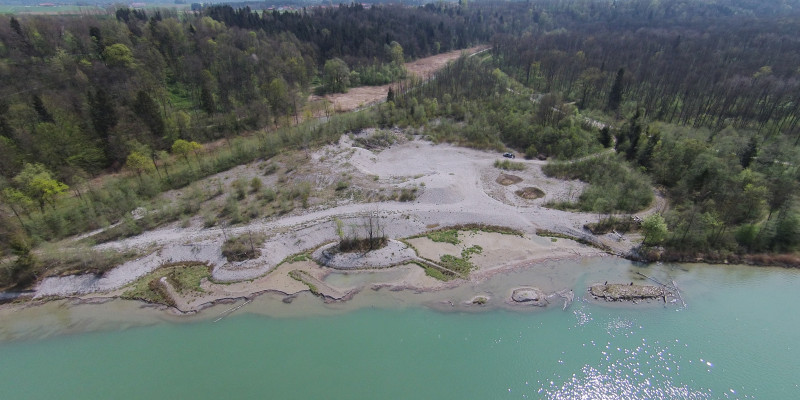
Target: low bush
[(444, 236), (243, 247), (509, 165)]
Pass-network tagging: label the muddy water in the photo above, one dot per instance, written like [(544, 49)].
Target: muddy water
[(735, 339)]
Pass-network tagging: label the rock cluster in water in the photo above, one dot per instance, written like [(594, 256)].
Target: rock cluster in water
[(530, 295), (626, 292)]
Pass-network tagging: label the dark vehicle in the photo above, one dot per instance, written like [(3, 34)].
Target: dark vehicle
[(508, 155)]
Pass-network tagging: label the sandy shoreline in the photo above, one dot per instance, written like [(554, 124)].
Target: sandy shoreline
[(406, 277)]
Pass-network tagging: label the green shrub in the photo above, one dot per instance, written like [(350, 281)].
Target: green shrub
[(255, 184)]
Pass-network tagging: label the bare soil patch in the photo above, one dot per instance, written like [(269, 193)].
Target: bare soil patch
[(530, 193), (366, 95), (425, 67), (506, 179)]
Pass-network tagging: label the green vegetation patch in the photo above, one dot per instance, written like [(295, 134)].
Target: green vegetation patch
[(436, 273), (185, 277), (70, 261), (555, 235), (487, 228), (509, 165), (378, 140), (444, 236), (613, 185), (405, 194), (300, 276), (243, 247), (299, 257), (612, 223), (461, 265)]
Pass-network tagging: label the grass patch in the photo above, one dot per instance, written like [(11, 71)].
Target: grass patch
[(509, 165), (457, 264), (185, 277), (379, 140), (81, 260), (554, 235), (461, 265), (299, 276), (487, 228), (444, 236), (405, 194), (243, 247), (300, 257), (611, 223), (436, 273)]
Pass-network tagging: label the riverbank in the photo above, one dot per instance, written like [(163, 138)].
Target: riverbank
[(453, 187)]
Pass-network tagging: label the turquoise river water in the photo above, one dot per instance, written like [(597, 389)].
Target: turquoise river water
[(736, 339)]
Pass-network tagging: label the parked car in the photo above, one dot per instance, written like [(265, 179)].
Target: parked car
[(508, 155)]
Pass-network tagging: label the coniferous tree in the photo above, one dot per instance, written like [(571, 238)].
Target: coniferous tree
[(103, 114), (615, 95), (15, 26), (207, 100), (147, 109), (41, 110)]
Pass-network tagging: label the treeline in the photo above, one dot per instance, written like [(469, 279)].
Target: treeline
[(79, 94), (682, 62), (359, 35), (705, 99), (730, 192)]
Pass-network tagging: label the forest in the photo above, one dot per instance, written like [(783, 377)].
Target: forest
[(699, 100)]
